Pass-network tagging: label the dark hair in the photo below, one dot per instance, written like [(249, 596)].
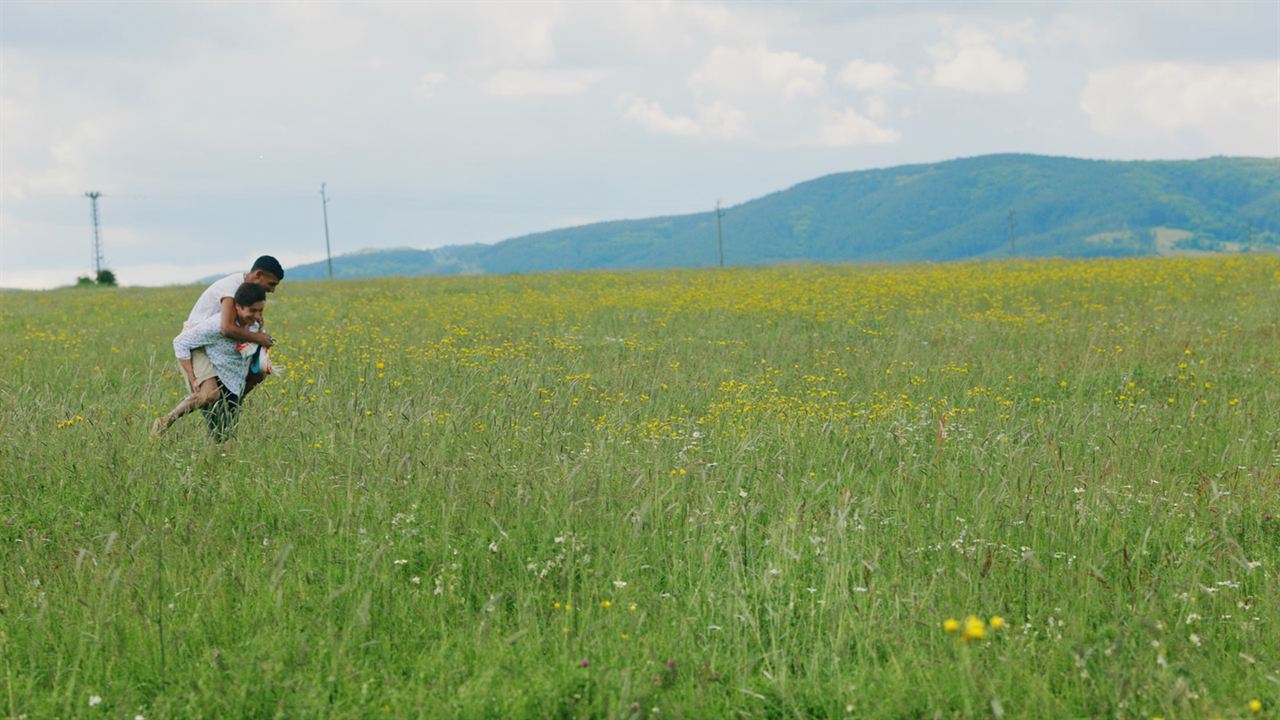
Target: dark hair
[(266, 263), (249, 293)]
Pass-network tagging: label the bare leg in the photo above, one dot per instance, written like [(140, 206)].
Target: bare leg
[(205, 395)]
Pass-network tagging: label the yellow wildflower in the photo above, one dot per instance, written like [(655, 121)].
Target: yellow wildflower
[(974, 628)]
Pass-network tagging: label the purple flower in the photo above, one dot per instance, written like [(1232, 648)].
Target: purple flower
[(583, 662), (671, 664)]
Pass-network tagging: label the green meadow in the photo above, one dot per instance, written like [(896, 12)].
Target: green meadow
[(753, 493)]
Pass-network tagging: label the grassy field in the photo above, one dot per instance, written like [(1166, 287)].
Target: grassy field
[(747, 493)]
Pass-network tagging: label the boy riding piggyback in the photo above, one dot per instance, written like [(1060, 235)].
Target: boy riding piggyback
[(216, 300), (222, 349)]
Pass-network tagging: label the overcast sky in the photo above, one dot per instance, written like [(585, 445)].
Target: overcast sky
[(208, 127)]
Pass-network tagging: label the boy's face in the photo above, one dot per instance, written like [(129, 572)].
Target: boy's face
[(250, 314), (263, 279)]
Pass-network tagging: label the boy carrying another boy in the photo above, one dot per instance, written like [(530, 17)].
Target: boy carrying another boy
[(231, 367), (216, 300)]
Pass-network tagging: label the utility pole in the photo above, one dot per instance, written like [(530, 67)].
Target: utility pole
[(719, 233), (97, 235), (324, 206), (1013, 232)]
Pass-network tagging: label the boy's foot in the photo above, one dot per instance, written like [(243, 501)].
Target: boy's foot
[(161, 424)]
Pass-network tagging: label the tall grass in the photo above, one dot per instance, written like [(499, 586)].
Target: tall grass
[(753, 493)]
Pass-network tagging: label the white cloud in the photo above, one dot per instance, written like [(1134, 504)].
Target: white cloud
[(970, 62), (667, 29), (775, 98), (517, 34), (874, 80), (64, 139), (654, 118), (756, 72), (1236, 107), (428, 83), (877, 107), (723, 120), (870, 77), (545, 81), (778, 98), (1082, 30), (847, 127), (715, 120)]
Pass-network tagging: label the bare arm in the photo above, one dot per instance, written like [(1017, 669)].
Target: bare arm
[(231, 330), (183, 344)]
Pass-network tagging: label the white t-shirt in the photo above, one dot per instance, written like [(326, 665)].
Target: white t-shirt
[(210, 302)]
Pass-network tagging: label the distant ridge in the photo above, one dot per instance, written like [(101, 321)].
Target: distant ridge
[(951, 210)]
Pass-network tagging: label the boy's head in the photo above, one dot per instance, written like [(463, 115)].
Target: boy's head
[(266, 271), (250, 299)]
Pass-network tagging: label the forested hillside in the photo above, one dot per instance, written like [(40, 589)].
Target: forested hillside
[(935, 212)]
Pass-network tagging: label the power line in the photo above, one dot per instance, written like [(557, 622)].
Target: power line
[(324, 204), (719, 234), (97, 234)]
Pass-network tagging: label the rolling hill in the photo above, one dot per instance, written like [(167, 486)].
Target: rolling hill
[(951, 210)]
